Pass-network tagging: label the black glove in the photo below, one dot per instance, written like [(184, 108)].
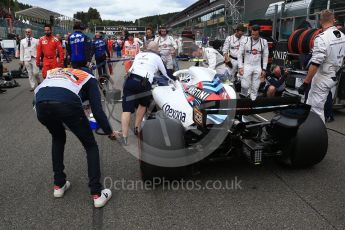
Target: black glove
[(302, 88)]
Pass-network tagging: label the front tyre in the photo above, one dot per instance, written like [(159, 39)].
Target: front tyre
[(154, 144)]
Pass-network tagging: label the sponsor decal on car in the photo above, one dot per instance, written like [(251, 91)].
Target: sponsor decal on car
[(198, 117), (202, 95), (173, 113)]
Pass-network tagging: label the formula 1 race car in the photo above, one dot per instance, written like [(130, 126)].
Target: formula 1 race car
[(199, 118)]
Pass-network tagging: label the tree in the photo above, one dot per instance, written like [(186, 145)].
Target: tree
[(93, 14), (90, 18), (16, 6)]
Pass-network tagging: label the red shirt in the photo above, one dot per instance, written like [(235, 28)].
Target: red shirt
[(49, 47)]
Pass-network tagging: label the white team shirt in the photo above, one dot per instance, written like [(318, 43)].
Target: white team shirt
[(147, 64), (232, 45)]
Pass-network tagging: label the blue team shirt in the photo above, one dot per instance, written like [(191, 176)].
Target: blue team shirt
[(79, 47)]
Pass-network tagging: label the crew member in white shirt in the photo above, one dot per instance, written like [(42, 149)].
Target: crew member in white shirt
[(254, 50), (136, 90), (28, 47), (167, 49), (231, 48)]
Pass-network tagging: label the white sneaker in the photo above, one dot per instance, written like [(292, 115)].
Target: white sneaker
[(59, 192), (101, 201)]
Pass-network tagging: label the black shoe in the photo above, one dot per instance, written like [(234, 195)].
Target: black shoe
[(329, 119), (31, 90), (3, 91)]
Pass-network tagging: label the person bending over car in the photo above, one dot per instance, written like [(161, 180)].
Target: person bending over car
[(212, 60), (58, 103), (137, 87), (275, 82)]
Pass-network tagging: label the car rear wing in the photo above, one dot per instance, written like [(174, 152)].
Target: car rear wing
[(291, 105)]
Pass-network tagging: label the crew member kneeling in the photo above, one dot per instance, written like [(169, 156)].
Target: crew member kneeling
[(137, 88), (275, 82), (214, 60), (328, 56), (58, 102)]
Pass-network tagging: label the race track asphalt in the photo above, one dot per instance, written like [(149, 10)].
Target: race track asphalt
[(269, 196)]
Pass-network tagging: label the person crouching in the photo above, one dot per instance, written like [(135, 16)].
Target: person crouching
[(275, 82)]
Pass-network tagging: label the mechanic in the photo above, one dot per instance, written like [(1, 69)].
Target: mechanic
[(118, 45), (149, 37), (327, 59), (124, 35), (64, 46), (329, 113), (101, 54), (58, 103), (130, 49), (28, 48), (110, 43), (254, 49), (137, 87), (167, 48), (212, 60), (177, 52), (49, 47), (231, 47), (79, 47), (275, 82)]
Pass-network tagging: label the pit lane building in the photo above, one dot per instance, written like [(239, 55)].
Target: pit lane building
[(216, 18)]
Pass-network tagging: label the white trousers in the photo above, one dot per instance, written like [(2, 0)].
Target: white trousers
[(250, 81), (234, 68), (319, 90), (33, 71)]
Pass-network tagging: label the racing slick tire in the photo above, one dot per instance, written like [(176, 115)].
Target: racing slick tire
[(154, 143), (309, 146)]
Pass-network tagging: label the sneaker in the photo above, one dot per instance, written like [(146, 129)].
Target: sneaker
[(100, 201), (60, 191), (2, 91), (125, 141)]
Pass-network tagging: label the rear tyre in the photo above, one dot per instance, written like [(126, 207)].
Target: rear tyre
[(309, 146), (154, 144)]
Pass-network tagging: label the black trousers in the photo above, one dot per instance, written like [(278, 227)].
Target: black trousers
[(78, 64), (101, 69), (52, 115)]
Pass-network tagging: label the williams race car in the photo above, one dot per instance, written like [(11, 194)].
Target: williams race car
[(199, 118)]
